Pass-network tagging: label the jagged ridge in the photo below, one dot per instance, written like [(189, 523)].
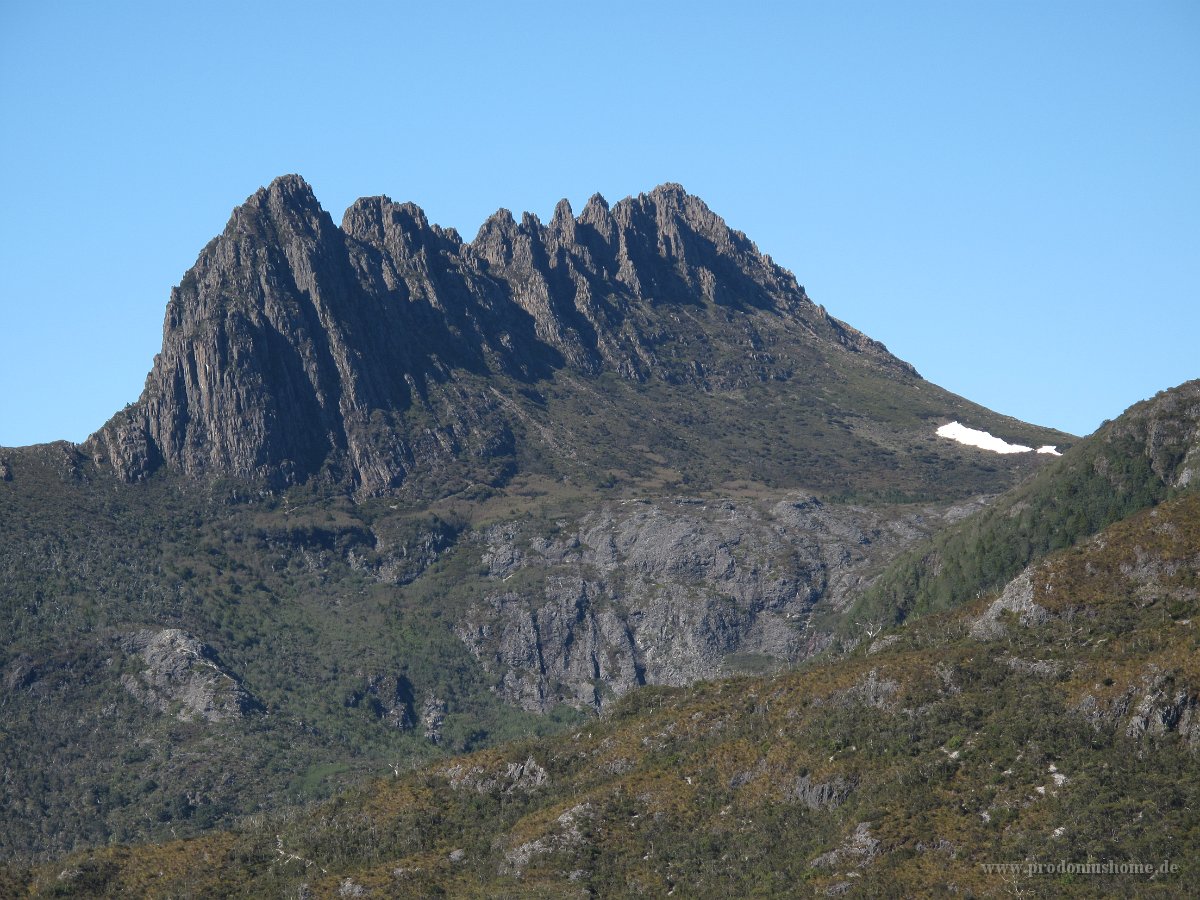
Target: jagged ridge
[(294, 346)]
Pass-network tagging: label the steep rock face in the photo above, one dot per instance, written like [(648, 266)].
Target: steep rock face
[(294, 347), (1164, 706), (252, 345), (285, 349), (433, 716), (669, 593)]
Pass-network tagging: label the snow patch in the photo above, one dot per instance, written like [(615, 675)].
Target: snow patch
[(973, 437)]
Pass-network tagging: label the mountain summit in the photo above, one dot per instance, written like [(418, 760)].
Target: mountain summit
[(389, 348)]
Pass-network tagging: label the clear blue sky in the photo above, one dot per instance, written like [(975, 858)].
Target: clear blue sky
[(1007, 193)]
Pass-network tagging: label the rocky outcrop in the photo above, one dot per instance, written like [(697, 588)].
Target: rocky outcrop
[(869, 691), (389, 697), (1015, 602), (1153, 706), (817, 795), (564, 834), (515, 778), (184, 677), (1042, 668), (1163, 706), (859, 849), (1166, 429), (295, 348), (668, 592), (433, 717)]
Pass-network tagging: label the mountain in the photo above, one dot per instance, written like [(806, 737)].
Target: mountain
[(388, 352), (389, 496), (991, 749)]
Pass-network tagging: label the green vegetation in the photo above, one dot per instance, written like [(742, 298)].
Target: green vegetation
[(1126, 466), (308, 599), (912, 765)]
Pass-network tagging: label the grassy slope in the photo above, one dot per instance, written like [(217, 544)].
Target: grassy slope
[(818, 419), (938, 741)]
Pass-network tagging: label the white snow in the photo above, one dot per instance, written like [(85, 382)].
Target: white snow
[(974, 438)]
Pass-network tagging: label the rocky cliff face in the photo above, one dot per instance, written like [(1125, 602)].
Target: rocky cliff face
[(286, 348), (671, 592), (295, 347)]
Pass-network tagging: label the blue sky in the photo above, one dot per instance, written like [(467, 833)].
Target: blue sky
[(1007, 194)]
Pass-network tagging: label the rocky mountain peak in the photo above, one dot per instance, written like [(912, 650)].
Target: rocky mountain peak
[(562, 223), (368, 217), (286, 204), (290, 190), (496, 238), (671, 208), (597, 216), (294, 346), (530, 223), (401, 231)]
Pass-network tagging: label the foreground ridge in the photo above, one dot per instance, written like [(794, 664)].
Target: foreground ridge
[(969, 753)]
